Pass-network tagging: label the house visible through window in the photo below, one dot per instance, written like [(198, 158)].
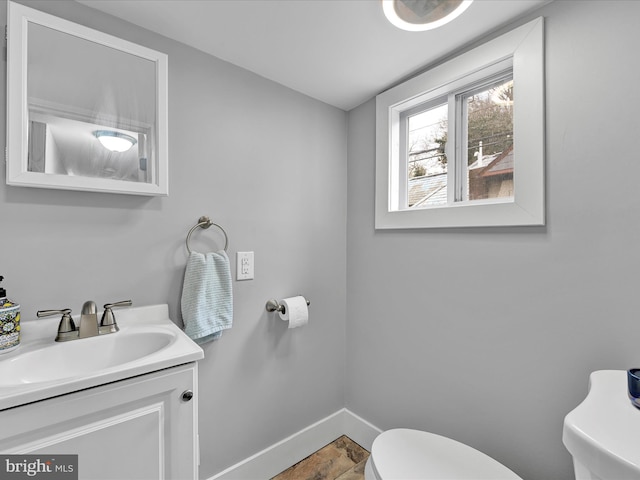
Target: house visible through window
[(427, 160), (489, 141), (484, 116)]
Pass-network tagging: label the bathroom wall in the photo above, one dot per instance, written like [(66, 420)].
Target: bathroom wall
[(483, 335), (488, 335), (266, 163)]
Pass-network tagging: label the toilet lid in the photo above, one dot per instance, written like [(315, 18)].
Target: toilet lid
[(412, 454)]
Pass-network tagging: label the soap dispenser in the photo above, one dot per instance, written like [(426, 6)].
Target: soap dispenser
[(9, 322)]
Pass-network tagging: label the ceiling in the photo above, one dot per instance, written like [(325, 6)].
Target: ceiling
[(342, 52)]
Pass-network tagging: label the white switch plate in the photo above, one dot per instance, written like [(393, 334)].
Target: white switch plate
[(244, 266)]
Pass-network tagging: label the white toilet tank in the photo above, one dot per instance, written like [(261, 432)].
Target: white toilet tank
[(602, 432), (413, 454)]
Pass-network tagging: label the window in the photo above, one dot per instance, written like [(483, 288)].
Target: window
[(463, 143)]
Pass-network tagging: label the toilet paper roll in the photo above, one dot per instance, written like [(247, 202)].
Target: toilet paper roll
[(296, 311)]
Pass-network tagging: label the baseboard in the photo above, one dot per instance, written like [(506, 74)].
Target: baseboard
[(280, 456), (358, 429)]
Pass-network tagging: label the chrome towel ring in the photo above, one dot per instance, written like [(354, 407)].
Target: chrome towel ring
[(205, 222)]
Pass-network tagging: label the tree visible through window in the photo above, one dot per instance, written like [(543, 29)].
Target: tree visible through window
[(488, 123), (427, 160), (490, 141)]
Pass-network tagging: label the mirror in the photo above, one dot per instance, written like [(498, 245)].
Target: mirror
[(85, 110)]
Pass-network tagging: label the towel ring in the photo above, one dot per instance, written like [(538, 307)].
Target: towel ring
[(205, 222)]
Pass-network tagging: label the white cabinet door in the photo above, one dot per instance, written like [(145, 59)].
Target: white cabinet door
[(140, 428)]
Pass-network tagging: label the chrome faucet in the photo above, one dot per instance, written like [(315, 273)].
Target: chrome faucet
[(89, 326)]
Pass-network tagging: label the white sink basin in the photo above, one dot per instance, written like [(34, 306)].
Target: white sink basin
[(40, 368), (602, 432), (81, 357)]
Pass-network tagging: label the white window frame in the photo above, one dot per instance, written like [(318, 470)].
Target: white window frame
[(521, 49)]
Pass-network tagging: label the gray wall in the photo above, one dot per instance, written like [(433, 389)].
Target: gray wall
[(488, 336), (267, 164), (483, 335)]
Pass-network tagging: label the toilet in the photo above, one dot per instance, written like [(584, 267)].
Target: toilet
[(412, 454)]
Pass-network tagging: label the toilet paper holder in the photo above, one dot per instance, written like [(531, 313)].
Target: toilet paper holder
[(273, 306)]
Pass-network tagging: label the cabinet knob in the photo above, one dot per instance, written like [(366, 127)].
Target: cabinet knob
[(187, 395)]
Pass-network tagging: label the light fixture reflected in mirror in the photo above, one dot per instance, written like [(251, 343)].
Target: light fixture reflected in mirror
[(420, 15), (115, 141)]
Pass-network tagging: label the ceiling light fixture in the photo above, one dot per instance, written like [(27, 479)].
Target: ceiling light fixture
[(115, 141), (420, 15)]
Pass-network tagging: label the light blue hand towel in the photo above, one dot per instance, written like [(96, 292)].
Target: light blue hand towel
[(207, 300)]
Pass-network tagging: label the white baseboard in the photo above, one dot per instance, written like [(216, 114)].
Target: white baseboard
[(280, 456), (358, 429)]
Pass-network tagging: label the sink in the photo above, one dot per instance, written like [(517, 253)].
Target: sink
[(601, 433), (41, 368), (81, 357)]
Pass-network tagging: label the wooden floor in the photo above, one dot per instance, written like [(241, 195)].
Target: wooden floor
[(342, 459)]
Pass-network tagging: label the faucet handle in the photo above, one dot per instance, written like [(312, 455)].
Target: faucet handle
[(48, 313), (123, 303), (108, 319), (66, 322)]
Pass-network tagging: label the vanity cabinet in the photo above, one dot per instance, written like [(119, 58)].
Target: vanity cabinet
[(143, 427)]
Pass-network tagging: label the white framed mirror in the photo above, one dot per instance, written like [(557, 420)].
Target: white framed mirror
[(85, 110)]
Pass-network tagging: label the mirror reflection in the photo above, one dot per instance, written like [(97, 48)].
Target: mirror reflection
[(90, 118), (85, 110)]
